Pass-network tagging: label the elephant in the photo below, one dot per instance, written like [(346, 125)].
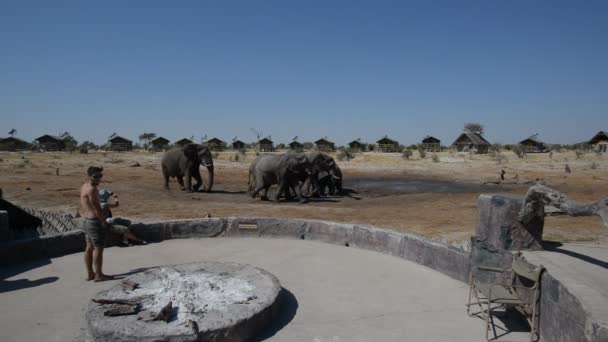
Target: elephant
[(333, 183), (285, 170), (184, 162), (323, 166)]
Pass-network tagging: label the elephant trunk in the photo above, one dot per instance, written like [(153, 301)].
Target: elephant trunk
[(210, 171)]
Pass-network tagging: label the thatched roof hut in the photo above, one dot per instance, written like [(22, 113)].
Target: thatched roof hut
[(324, 145), (118, 143), (387, 144), (431, 144), (159, 144), (238, 145), (216, 144), (13, 144), (469, 141), (357, 145), (266, 145), (184, 142), (533, 144), (296, 146), (599, 142), (51, 142)]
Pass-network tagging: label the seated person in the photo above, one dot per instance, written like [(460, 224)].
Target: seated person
[(118, 225)]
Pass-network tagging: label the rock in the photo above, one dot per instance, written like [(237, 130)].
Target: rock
[(498, 227), (136, 164)]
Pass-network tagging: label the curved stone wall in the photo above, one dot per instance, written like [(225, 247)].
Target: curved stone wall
[(557, 304)]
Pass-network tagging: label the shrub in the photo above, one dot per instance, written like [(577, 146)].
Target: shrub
[(567, 169), (593, 166), (345, 154), (579, 154), (519, 151), (421, 152), (407, 153), (435, 158), (236, 157)]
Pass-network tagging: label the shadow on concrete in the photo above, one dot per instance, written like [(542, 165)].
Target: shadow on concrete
[(131, 272), (288, 306), (15, 269), (508, 322), (19, 284), (553, 246)]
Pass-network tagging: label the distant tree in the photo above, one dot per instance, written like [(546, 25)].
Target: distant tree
[(146, 137), (474, 128), (258, 136), (12, 132), (70, 142)]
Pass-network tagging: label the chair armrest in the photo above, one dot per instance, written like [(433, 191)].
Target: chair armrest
[(490, 269)]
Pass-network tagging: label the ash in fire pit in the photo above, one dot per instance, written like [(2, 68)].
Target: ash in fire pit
[(193, 302)]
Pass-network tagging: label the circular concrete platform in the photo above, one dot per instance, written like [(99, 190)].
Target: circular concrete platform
[(208, 301), (330, 293)]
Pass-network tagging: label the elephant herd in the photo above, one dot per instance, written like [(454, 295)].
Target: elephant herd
[(300, 174)]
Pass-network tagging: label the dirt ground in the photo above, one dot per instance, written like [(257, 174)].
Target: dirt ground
[(435, 199)]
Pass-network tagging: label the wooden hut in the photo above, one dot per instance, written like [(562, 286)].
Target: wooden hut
[(183, 142), (14, 144), (296, 146), (387, 144), (118, 143), (51, 142), (159, 144), (357, 146), (324, 145), (431, 144), (216, 144), (238, 145), (468, 141), (266, 145), (599, 142), (533, 145)]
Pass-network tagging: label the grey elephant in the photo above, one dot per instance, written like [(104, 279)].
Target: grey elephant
[(331, 183), (323, 167), (284, 170), (184, 162)]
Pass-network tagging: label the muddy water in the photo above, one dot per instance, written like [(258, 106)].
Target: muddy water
[(386, 187)]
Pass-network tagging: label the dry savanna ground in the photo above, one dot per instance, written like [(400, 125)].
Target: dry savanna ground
[(434, 198)]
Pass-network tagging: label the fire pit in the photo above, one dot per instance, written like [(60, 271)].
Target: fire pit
[(207, 301)]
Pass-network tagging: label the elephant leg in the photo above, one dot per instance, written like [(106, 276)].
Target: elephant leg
[(199, 180), (264, 197), (180, 180), (188, 177), (299, 195)]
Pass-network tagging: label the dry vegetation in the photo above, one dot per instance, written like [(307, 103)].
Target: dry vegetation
[(52, 180)]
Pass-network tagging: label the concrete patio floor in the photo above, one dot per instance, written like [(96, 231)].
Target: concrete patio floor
[(333, 293)]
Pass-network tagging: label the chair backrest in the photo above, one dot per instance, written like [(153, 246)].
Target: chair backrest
[(521, 267)]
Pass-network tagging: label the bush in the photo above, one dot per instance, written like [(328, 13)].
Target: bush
[(421, 152), (345, 154), (435, 158), (593, 166), (407, 153), (519, 151), (579, 154), (236, 157)]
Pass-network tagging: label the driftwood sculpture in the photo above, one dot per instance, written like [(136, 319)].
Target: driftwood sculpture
[(539, 195)]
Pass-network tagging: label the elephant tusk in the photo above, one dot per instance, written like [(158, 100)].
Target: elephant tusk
[(207, 165), (336, 177)]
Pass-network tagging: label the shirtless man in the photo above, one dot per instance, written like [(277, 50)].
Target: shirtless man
[(94, 225)]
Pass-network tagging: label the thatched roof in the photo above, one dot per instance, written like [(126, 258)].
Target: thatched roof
[(471, 138), (13, 139), (50, 137), (160, 141), (600, 136), (430, 140), (119, 139), (323, 141), (387, 141), (215, 141), (532, 140), (266, 141), (184, 141)]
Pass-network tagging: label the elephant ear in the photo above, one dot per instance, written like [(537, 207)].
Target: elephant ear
[(190, 151)]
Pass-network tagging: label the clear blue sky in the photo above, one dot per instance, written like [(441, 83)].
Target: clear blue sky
[(342, 69)]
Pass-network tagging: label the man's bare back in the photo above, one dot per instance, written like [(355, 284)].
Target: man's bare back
[(90, 206)]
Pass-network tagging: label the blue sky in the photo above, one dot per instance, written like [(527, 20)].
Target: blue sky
[(342, 69)]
